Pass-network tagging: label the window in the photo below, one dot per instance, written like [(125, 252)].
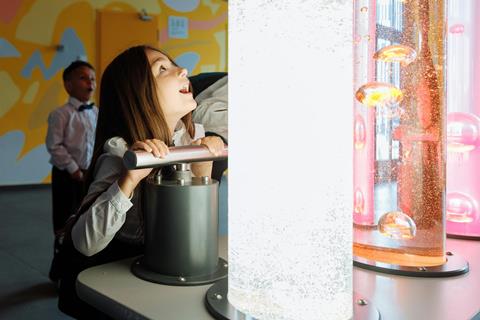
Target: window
[(388, 32)]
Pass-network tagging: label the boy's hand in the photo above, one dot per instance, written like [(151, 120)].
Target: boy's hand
[(77, 175)]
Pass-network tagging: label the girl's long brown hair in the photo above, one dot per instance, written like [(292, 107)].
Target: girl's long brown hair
[(129, 107)]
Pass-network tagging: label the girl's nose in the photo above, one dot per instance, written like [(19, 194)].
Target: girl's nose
[(183, 72)]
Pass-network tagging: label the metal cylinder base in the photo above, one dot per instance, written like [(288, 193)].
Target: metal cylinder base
[(218, 306), (455, 265), (463, 237), (139, 270)]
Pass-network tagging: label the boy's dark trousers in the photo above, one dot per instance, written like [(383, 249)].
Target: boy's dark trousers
[(67, 195)]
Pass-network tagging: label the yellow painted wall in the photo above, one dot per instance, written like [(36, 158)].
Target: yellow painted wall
[(31, 65)]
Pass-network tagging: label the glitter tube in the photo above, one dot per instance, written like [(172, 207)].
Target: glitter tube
[(408, 226)]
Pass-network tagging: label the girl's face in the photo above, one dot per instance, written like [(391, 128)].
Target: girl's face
[(173, 86)]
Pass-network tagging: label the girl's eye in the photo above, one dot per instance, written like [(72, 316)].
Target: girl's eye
[(162, 68)]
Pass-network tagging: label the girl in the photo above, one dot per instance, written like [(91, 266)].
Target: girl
[(146, 104)]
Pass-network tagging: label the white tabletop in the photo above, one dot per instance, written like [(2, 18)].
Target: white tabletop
[(412, 298), (114, 290)]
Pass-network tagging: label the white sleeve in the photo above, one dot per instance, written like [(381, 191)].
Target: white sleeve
[(61, 158), (214, 117), (212, 109), (98, 225), (199, 131)]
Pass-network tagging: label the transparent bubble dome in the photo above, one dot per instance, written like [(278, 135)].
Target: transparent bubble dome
[(397, 225), (359, 132), (462, 132), (359, 203), (460, 208)]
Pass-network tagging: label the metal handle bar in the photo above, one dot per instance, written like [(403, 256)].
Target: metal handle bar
[(143, 159)]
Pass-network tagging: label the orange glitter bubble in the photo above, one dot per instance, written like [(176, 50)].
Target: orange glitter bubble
[(396, 53), (378, 94)]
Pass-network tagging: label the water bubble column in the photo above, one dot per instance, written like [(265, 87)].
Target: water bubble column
[(290, 153)]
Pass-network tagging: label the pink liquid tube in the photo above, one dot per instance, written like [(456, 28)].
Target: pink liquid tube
[(463, 119), (364, 132), (399, 140)]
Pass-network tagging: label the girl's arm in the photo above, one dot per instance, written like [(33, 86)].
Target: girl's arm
[(202, 169), (98, 225)]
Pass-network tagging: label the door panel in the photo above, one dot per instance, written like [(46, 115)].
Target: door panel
[(118, 31)]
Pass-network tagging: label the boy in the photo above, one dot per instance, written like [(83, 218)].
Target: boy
[(70, 139)]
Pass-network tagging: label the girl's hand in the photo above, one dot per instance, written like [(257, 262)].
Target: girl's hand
[(214, 144), (131, 178)]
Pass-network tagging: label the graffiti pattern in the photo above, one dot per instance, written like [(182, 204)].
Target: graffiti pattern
[(31, 63), (70, 49)]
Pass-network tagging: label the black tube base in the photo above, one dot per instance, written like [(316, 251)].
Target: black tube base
[(463, 236), (139, 270)]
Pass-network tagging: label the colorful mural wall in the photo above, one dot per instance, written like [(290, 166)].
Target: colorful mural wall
[(39, 38)]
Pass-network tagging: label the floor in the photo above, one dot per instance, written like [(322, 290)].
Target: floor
[(26, 249), (25, 253)]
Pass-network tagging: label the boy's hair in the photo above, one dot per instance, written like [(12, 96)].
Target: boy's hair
[(73, 66)]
